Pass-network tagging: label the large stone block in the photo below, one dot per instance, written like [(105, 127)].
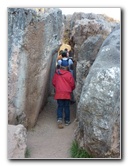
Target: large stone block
[(17, 141)]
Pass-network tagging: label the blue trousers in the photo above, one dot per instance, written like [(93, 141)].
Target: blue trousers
[(63, 105)]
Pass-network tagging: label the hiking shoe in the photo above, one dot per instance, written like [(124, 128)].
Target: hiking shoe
[(67, 123), (60, 124)]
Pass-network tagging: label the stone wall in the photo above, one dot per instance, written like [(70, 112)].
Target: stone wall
[(33, 41), (96, 45), (98, 109)]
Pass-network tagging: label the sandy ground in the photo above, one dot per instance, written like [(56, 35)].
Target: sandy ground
[(46, 140)]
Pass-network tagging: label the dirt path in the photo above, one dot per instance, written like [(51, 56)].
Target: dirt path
[(45, 140)]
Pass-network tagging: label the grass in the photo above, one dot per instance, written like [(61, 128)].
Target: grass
[(27, 153), (77, 152)]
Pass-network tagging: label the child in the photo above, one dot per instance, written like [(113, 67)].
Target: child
[(64, 84), (65, 61)]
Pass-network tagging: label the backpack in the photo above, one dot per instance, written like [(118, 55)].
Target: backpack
[(64, 62)]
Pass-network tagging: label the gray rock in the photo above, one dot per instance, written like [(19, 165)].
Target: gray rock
[(34, 40), (85, 25), (86, 57), (99, 107), (17, 141)]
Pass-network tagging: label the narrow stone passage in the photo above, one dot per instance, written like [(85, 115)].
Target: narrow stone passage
[(45, 140)]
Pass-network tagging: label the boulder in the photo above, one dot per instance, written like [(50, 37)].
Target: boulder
[(17, 141), (99, 106), (34, 39)]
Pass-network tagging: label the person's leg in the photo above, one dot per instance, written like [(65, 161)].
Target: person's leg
[(60, 109), (60, 113), (67, 111)]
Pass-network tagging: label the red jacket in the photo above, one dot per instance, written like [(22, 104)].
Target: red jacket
[(64, 84)]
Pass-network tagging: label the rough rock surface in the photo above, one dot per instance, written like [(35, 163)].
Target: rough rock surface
[(17, 141), (85, 28), (86, 56), (33, 42), (99, 107)]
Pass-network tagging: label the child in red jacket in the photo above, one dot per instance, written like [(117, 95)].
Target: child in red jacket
[(64, 84)]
